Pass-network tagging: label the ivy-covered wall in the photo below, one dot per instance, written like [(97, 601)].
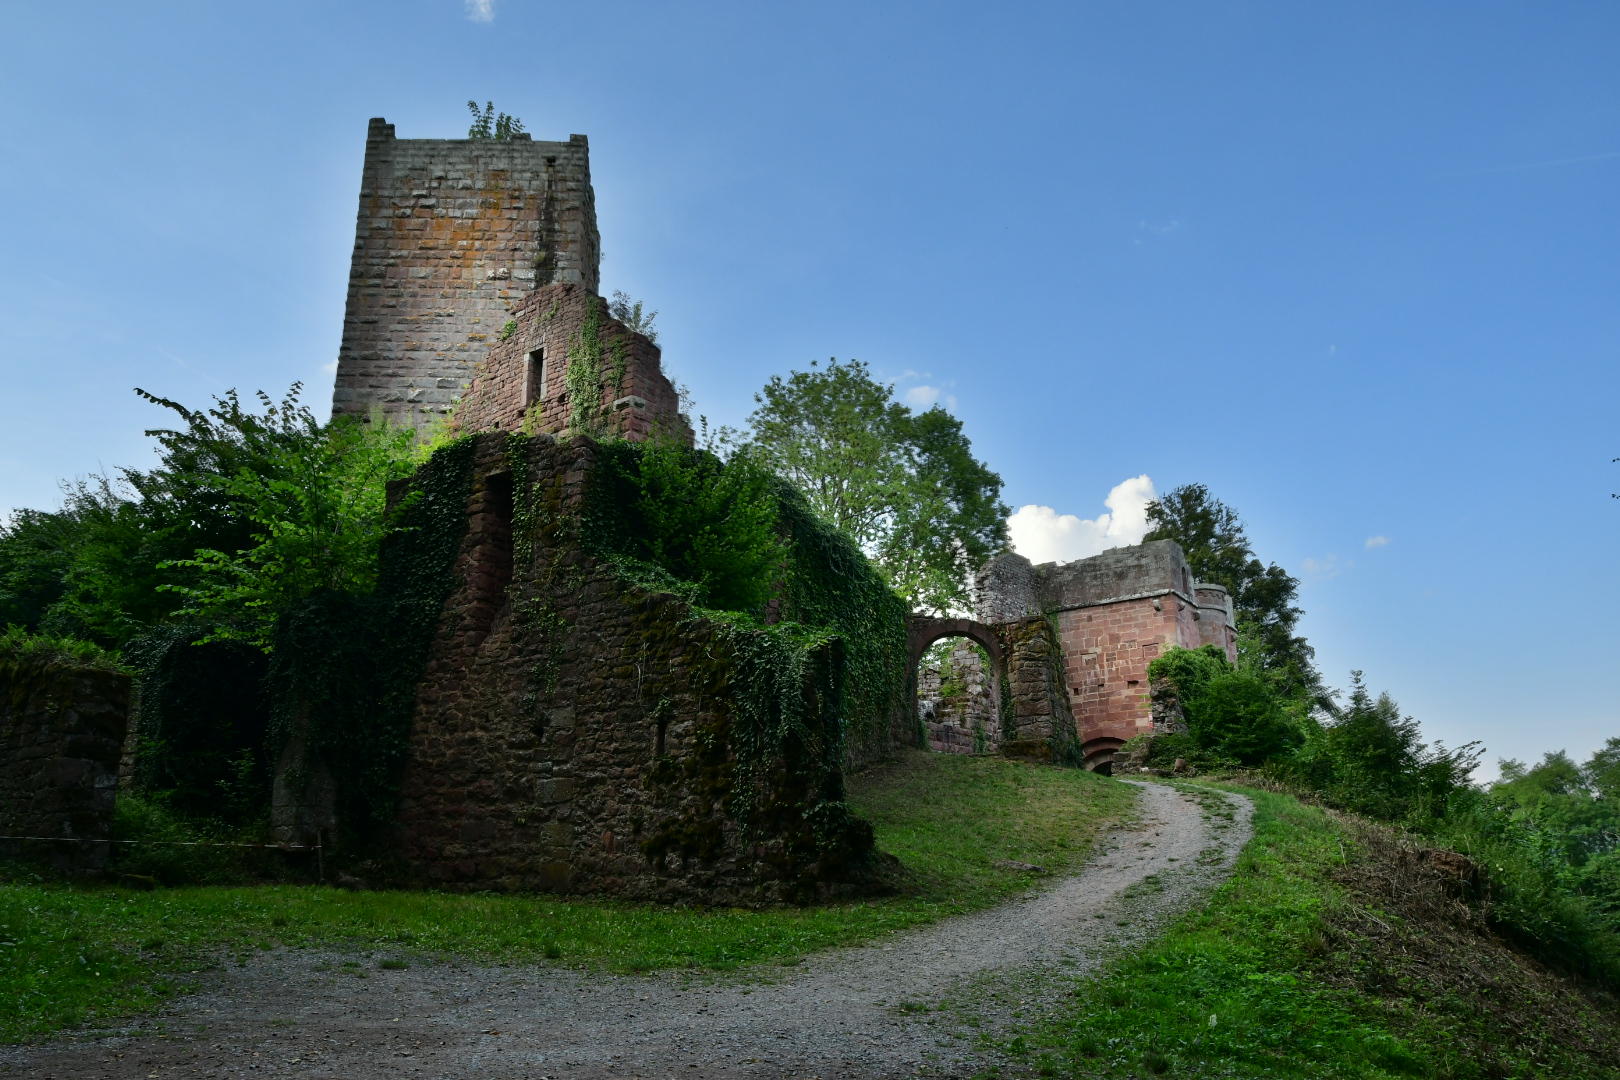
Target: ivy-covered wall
[(1038, 722), (561, 362), (581, 727)]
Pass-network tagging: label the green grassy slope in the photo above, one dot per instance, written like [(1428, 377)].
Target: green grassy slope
[(1317, 960)]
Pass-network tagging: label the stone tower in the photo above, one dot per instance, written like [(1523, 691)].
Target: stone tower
[(452, 235)]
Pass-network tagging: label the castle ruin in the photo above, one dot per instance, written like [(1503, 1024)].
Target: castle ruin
[(1114, 613), (452, 234)]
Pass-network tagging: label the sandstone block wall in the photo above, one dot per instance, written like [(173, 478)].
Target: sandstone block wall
[(521, 383), (571, 729), (1038, 705), (451, 234), (61, 736), (1115, 612)]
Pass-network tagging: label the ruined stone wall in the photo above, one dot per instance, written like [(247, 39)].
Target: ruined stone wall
[(1217, 618), (1038, 707), (963, 720), (1004, 589), (572, 729), (520, 384), (1115, 612), (451, 234), (61, 735)]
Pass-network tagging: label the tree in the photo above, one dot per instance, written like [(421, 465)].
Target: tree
[(1212, 536), (313, 495), (903, 485), (629, 312), (491, 125)]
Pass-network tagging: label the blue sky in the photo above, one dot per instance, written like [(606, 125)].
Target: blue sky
[(1352, 266)]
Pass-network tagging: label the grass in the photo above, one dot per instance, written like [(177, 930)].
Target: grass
[(1299, 967), (71, 955)]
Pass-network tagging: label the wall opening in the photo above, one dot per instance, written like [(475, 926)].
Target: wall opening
[(491, 533), (534, 377), (957, 692)]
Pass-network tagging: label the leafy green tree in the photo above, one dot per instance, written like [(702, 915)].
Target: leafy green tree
[(243, 512), (492, 125), (903, 485), (1218, 550), (314, 496), (1371, 759)]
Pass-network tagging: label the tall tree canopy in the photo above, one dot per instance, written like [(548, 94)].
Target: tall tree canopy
[(1211, 534), (905, 485)]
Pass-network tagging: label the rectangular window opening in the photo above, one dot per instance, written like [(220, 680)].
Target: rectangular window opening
[(534, 377)]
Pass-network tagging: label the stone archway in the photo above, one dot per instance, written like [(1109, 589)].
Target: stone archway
[(923, 630)]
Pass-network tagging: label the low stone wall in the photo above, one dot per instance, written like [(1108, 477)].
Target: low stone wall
[(61, 735)]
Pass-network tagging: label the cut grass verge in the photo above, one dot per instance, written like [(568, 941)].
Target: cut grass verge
[(70, 955), (1299, 967)]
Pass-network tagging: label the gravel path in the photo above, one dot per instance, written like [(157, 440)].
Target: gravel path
[(916, 1003)]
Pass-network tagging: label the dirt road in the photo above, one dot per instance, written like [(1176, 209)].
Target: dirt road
[(869, 1012)]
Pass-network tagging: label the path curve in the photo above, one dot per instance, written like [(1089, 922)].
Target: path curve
[(859, 1012)]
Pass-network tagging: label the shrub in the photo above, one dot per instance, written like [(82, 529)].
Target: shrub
[(1232, 715)]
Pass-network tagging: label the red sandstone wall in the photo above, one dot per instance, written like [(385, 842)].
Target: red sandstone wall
[(1106, 651), (509, 393)]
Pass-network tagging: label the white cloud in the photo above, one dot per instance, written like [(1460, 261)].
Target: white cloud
[(1323, 569), (1376, 541), (1040, 534), (330, 369), (922, 397), (481, 10)]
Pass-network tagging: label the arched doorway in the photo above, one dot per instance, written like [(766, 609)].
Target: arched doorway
[(971, 736)]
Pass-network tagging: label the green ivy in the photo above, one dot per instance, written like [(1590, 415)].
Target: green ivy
[(584, 378), (641, 519), (351, 663)]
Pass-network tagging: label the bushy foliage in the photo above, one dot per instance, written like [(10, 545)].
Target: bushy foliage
[(905, 486), (19, 648), (1548, 837), (729, 535), (1372, 760), (312, 495), (489, 124), (1232, 715), (712, 526), (243, 511), (631, 314), (1212, 536)]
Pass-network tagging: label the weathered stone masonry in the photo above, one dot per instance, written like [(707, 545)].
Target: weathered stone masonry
[(521, 384), (1115, 612), (452, 234), (61, 735), (571, 728)]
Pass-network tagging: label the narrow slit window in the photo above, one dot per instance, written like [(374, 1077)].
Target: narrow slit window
[(534, 377)]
